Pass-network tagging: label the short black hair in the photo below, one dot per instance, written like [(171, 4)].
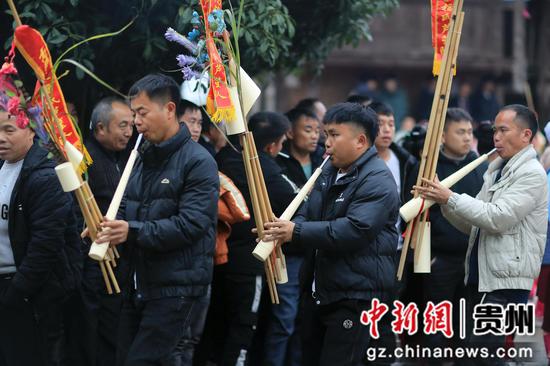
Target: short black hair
[(484, 134), (207, 123), (382, 108), (525, 116), (457, 115), (186, 105), (157, 87), (359, 99), (102, 111), (414, 141), (307, 103), (356, 114), (268, 127), (295, 114)]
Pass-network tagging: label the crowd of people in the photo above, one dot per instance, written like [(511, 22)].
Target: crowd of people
[(193, 294)]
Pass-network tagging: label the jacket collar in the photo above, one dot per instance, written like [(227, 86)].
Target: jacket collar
[(111, 155), (516, 161), (314, 156), (471, 156), (354, 168), (160, 152)]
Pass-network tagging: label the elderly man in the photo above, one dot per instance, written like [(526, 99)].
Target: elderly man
[(506, 221), (111, 129)]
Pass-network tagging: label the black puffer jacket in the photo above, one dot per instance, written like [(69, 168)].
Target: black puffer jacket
[(171, 204), (292, 167), (104, 175), (408, 167), (351, 223), (446, 239), (105, 172), (241, 242), (43, 234)]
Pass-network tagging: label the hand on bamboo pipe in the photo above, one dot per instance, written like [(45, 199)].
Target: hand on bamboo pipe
[(278, 231), (434, 191), (114, 232), (84, 233)]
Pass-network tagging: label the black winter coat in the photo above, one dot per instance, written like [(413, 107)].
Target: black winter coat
[(103, 177), (446, 239), (292, 167), (171, 205), (105, 172), (408, 167), (351, 224), (241, 242), (43, 234)]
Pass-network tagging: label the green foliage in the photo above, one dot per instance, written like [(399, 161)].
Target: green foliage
[(274, 34)]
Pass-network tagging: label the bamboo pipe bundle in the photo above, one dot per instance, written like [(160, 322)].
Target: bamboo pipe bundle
[(264, 249), (417, 205), (98, 251), (71, 181), (261, 208), (430, 153)]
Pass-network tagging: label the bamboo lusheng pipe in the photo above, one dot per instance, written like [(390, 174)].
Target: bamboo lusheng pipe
[(418, 205), (97, 251), (430, 153), (279, 270), (448, 80), (86, 211), (264, 249), (70, 181), (252, 179)]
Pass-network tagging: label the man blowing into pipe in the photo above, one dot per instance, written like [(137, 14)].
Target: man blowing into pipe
[(349, 221), (169, 216), (506, 220)]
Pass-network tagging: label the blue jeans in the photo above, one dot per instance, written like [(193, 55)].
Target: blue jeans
[(193, 331), (282, 343)]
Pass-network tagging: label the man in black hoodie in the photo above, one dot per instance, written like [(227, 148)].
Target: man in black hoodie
[(39, 249), (349, 220), (449, 245), (169, 216), (237, 288)]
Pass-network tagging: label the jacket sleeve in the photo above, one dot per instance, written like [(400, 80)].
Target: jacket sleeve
[(197, 212), (48, 209), (457, 221), (281, 192), (374, 206), (516, 201)]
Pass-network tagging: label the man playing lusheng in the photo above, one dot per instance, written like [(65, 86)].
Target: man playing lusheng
[(506, 221), (169, 226), (349, 219)]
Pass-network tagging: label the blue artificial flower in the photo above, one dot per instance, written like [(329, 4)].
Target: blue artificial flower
[(184, 60), (193, 35), (203, 58), (195, 20), (189, 73), (216, 22), (174, 36)]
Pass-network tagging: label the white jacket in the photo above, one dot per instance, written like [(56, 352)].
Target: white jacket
[(512, 216)]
